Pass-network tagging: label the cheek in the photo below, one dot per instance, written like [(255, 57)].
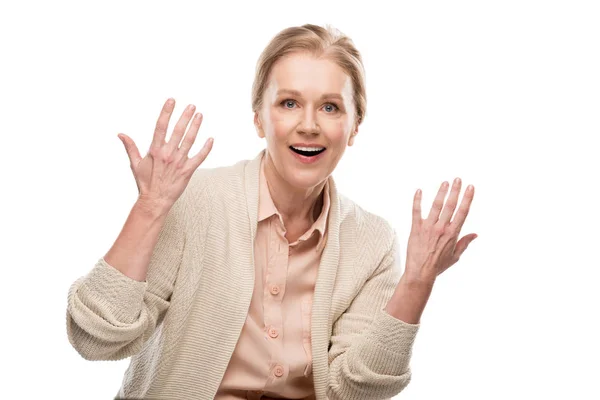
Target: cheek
[(337, 131), (280, 125)]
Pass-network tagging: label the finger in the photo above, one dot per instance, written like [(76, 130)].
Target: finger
[(190, 136), (462, 244), (434, 213), (199, 158), (131, 149), (180, 128), (163, 123), (416, 214), (463, 210), (451, 203)]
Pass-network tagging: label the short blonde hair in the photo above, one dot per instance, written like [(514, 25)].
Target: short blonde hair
[(320, 42)]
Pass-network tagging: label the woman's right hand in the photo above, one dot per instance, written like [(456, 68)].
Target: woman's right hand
[(163, 174)]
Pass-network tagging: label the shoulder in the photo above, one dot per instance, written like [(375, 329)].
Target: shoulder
[(209, 187), (368, 243), (208, 181), (369, 227), (217, 177)]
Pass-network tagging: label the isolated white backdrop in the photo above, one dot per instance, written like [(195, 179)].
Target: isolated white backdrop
[(503, 94)]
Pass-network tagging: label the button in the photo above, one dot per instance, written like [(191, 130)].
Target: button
[(274, 289), (273, 332), (278, 371)]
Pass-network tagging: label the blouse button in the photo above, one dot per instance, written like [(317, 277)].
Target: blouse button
[(278, 371), (274, 289), (273, 333)]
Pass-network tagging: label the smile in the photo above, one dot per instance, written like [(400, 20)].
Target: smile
[(307, 151)]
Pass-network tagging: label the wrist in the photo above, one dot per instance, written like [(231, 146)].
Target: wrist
[(417, 283), (151, 207), (409, 300), (418, 278)]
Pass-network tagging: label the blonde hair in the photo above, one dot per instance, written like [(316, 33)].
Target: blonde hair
[(320, 42)]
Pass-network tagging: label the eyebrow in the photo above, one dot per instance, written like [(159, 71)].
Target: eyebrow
[(297, 93)]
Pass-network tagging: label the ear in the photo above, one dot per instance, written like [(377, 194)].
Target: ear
[(258, 125), (352, 135)]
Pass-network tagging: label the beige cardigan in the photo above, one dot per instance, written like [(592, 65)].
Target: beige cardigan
[(181, 325)]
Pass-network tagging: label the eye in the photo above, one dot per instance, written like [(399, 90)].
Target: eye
[(330, 107), (288, 103)]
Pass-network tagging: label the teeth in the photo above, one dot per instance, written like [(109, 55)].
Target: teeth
[(308, 148)]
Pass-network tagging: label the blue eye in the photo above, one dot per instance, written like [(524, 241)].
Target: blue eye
[(331, 105), (288, 102)]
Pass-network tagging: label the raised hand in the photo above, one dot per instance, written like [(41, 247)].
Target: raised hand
[(433, 244), (163, 174)]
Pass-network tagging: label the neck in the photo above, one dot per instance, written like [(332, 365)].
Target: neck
[(294, 204)]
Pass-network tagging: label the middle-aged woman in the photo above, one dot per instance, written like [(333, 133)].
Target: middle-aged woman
[(259, 279)]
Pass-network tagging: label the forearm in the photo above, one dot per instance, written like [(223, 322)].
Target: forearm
[(370, 349), (376, 364), (131, 252), (409, 300), (112, 311)]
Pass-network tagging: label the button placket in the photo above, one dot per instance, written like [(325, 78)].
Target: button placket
[(274, 290)]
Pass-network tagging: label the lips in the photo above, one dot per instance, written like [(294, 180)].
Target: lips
[(308, 151)]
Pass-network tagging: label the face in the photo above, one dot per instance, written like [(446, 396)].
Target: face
[(308, 118)]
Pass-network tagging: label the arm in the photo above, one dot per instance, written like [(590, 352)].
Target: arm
[(115, 308), (409, 300), (131, 252), (370, 349)]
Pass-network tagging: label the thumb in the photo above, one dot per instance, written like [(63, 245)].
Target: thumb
[(463, 243), (131, 149)]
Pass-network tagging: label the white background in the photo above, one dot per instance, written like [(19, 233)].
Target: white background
[(505, 95)]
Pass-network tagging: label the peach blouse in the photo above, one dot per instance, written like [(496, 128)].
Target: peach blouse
[(272, 357)]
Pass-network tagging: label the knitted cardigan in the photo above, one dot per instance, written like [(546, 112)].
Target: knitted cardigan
[(181, 325)]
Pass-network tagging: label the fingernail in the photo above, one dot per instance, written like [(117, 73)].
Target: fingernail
[(457, 181)]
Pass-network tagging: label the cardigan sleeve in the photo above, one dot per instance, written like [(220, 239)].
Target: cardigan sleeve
[(370, 350), (110, 315)]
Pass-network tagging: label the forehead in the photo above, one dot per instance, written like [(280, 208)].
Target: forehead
[(309, 75)]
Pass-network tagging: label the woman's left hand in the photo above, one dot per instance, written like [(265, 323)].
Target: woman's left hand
[(433, 244)]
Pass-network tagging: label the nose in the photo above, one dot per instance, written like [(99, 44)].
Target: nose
[(309, 123)]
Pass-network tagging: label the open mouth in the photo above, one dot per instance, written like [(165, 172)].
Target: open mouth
[(307, 151)]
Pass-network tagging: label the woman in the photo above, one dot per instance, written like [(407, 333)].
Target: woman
[(260, 280)]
